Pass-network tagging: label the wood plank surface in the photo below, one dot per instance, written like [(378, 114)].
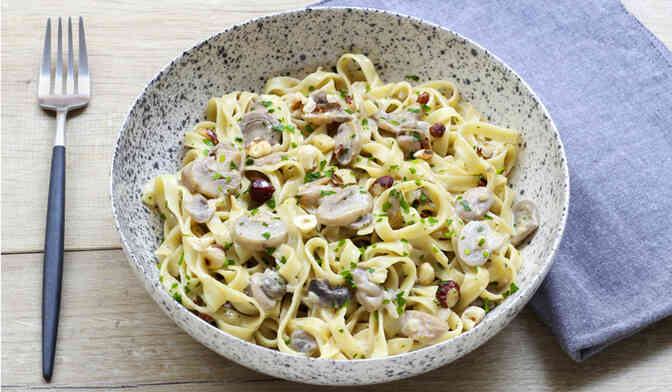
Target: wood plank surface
[(113, 335)]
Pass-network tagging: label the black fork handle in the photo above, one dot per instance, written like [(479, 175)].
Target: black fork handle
[(53, 261)]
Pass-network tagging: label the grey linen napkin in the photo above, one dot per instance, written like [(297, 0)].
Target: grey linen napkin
[(607, 82)]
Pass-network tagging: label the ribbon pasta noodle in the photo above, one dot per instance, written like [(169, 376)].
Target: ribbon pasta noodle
[(340, 216)]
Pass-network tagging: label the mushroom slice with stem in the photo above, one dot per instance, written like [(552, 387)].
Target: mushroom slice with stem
[(526, 220), (303, 342), (258, 125), (400, 121), (267, 288), (344, 207), (476, 243), (320, 292), (422, 326), (348, 143), (368, 294), (216, 175), (474, 203), (260, 231), (325, 112), (199, 209), (310, 194)]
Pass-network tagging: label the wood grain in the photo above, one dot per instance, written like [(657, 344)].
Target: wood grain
[(112, 334)]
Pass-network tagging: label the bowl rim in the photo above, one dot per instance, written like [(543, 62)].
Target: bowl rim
[(525, 294)]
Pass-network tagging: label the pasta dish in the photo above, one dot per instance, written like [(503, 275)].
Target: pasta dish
[(342, 217)]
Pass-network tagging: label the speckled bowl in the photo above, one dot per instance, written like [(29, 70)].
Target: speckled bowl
[(295, 43)]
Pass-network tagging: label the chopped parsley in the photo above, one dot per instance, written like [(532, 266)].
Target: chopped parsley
[(208, 142), (249, 162), (414, 110), (500, 171), (425, 107), (181, 259), (283, 260), (400, 301), (365, 122), (481, 242), (266, 103), (230, 262), (239, 139), (233, 166), (266, 235), (387, 205), (512, 289), (308, 128), (216, 176), (327, 193), (177, 297), (414, 78), (309, 177), (347, 275), (271, 203), (465, 204)]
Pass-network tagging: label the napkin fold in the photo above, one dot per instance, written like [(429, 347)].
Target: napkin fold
[(607, 82)]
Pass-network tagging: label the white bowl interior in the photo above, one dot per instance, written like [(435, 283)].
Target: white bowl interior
[(295, 43)]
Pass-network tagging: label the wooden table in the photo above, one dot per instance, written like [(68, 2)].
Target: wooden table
[(112, 336)]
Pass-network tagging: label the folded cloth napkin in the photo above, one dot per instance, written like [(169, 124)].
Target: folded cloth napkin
[(607, 82)]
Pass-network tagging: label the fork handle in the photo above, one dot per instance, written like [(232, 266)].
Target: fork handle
[(53, 260)]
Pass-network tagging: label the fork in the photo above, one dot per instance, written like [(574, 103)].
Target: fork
[(68, 92)]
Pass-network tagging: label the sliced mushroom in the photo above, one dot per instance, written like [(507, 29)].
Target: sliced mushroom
[(199, 209), (400, 121), (348, 143), (214, 176), (381, 184), (303, 342), (344, 207), (368, 294), (422, 326), (325, 112), (267, 288), (361, 222), (477, 242), (260, 231), (310, 194), (413, 141), (258, 125), (321, 293), (474, 203), (270, 159), (526, 220)]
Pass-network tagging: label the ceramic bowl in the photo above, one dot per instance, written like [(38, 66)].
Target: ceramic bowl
[(294, 43)]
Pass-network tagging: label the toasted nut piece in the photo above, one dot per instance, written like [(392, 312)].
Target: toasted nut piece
[(307, 157), (437, 130), (426, 274), (423, 98), (472, 316), (381, 184), (448, 294), (214, 256), (344, 177), (259, 148), (323, 142), (305, 223), (425, 154)]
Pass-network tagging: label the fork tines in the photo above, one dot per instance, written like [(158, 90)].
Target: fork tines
[(68, 83)]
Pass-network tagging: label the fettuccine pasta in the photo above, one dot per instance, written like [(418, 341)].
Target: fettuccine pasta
[(342, 217)]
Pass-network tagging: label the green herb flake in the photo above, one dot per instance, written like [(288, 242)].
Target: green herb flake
[(365, 122), (208, 142), (283, 260), (266, 235), (414, 110), (414, 78), (216, 176), (309, 177), (266, 103), (512, 289), (481, 242), (465, 205), (327, 193), (181, 259), (271, 203), (230, 262), (400, 301)]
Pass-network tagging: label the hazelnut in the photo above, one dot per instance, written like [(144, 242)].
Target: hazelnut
[(448, 294), (437, 130), (425, 274), (424, 154), (381, 184), (261, 190), (423, 98), (259, 148)]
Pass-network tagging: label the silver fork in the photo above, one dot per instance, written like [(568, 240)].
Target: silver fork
[(68, 92)]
